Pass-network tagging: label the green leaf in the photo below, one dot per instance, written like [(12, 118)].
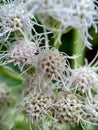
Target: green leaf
[(11, 79)]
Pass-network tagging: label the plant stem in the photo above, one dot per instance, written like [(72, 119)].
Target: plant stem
[(57, 40), (78, 48)]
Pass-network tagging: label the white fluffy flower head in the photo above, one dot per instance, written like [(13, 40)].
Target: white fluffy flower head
[(11, 16), (21, 53), (85, 78), (52, 63), (68, 108), (14, 17), (36, 105)]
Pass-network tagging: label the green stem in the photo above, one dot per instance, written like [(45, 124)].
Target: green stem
[(57, 39), (78, 48)]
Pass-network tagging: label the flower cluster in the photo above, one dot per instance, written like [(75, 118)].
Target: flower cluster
[(72, 98), (52, 89), (72, 103), (62, 15), (56, 15)]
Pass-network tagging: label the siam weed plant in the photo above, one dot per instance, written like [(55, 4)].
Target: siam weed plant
[(43, 58)]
